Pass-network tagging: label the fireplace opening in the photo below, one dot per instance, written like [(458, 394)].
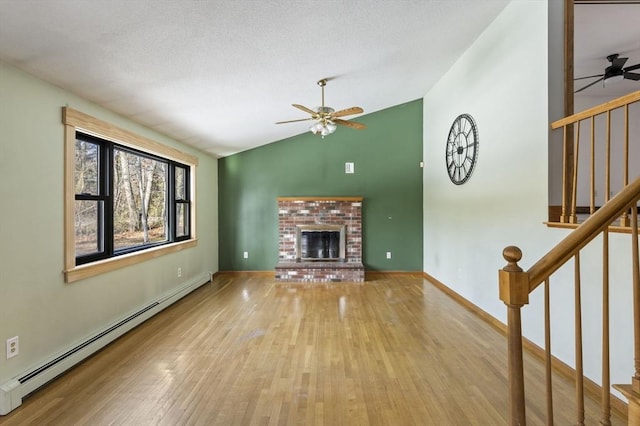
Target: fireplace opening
[(320, 242)]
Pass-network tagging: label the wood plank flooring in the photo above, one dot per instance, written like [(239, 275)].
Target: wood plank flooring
[(394, 350)]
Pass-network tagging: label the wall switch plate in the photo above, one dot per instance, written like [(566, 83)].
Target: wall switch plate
[(349, 168), (13, 347), (388, 255), (246, 255), (179, 272)]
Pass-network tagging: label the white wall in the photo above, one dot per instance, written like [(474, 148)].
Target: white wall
[(48, 315), (502, 80)]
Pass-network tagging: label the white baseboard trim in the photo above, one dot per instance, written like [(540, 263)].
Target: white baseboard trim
[(12, 391)]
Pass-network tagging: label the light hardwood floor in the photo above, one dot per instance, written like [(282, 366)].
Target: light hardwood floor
[(394, 350)]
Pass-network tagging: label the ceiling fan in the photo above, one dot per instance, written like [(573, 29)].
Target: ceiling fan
[(613, 72), (326, 118)]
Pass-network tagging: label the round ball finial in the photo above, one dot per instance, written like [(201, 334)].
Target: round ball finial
[(512, 255)]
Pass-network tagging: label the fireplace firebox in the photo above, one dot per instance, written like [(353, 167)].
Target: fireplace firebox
[(320, 243)]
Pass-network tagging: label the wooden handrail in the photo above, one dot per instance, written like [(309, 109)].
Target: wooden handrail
[(515, 285), (579, 238), (599, 109)]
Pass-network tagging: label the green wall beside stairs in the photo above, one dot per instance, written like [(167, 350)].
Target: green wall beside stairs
[(387, 158)]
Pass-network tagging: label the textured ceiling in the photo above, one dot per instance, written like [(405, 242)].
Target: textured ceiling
[(218, 74)]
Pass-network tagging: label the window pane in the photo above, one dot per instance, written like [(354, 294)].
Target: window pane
[(139, 200), (182, 220), (86, 173), (181, 192), (88, 215)]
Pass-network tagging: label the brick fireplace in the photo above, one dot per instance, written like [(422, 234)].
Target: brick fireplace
[(319, 220)]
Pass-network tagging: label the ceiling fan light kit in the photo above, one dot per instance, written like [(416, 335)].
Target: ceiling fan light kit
[(326, 118), (323, 129), (613, 79)]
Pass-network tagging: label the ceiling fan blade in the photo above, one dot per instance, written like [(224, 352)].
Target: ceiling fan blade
[(293, 121), (305, 109), (632, 67), (591, 76), (632, 76), (352, 124), (619, 62), (348, 111), (589, 85)]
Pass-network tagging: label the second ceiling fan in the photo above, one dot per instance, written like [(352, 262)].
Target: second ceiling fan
[(615, 71), (326, 117)]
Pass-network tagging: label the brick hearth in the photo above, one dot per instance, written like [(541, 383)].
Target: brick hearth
[(295, 211)]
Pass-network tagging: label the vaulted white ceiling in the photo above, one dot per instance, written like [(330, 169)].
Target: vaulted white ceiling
[(218, 74)]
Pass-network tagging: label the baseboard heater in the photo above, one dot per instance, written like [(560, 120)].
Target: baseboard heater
[(13, 391)]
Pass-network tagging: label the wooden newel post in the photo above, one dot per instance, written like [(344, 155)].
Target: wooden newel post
[(514, 292)]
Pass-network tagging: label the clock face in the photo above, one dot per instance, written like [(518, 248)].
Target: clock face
[(462, 149)]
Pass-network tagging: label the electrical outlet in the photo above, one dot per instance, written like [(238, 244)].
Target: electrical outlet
[(246, 255), (388, 255), (179, 272), (13, 347)]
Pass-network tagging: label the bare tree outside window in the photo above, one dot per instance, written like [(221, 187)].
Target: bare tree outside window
[(182, 205), (139, 200), (87, 211)]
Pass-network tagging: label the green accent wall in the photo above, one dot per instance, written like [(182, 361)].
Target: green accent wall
[(388, 175)]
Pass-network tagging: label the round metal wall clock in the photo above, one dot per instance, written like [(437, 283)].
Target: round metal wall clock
[(462, 149)]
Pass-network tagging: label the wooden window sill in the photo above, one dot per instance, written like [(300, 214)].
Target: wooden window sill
[(102, 266)]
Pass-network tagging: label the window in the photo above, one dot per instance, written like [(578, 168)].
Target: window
[(181, 201), (122, 198), (128, 198)]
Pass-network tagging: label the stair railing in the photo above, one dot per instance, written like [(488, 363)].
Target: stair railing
[(618, 114), (516, 285)]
